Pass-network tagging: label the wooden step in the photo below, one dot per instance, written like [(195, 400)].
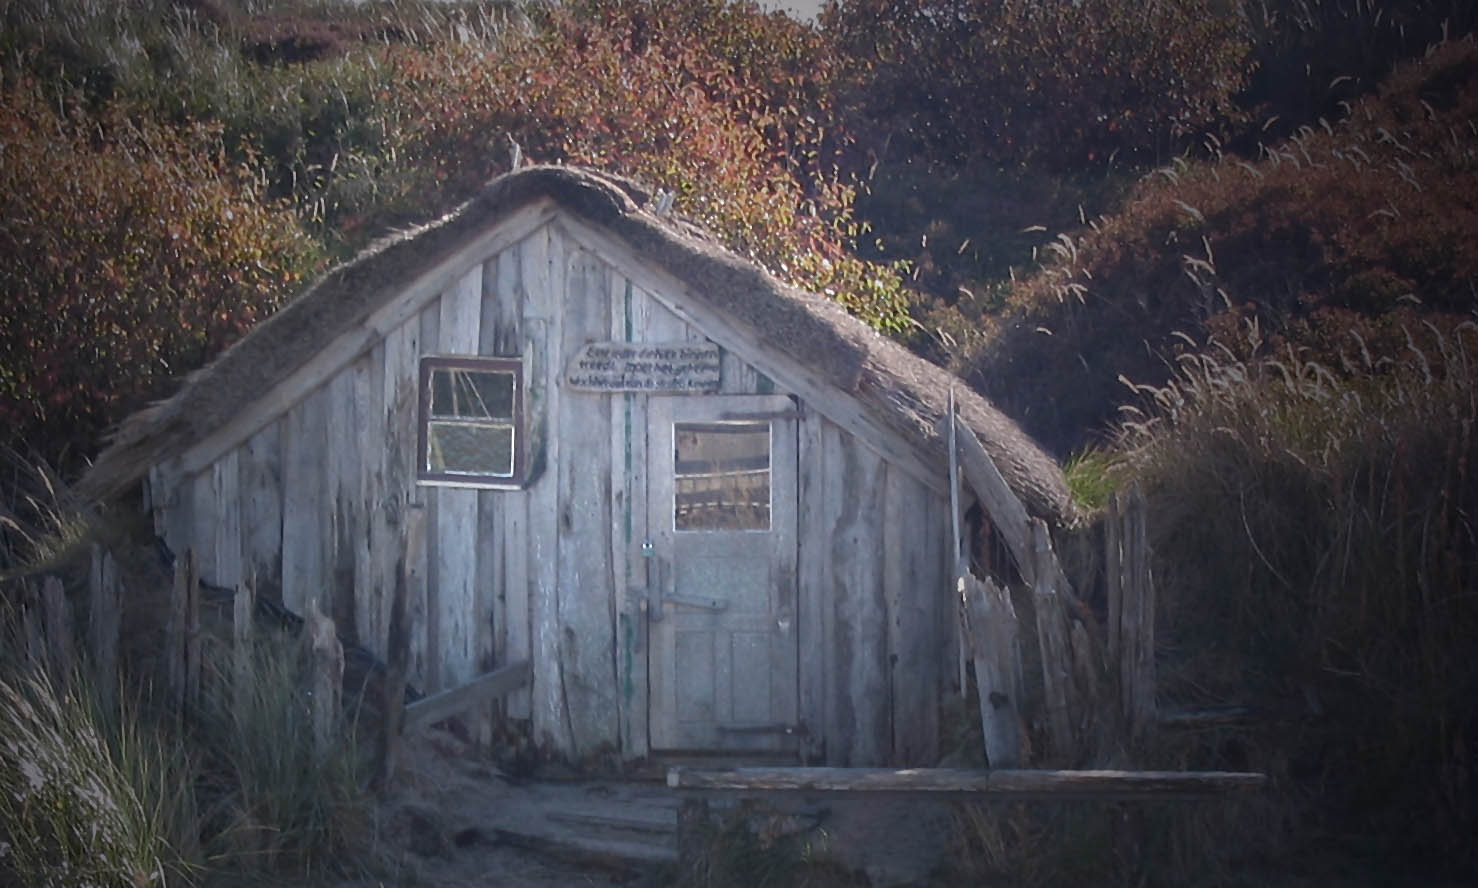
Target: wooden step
[(573, 844)]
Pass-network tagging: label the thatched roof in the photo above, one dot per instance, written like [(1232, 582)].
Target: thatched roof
[(897, 388)]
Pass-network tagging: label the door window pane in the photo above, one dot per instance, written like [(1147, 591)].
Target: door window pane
[(721, 475)]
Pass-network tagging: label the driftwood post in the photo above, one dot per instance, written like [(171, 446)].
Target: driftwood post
[(1052, 638), (243, 617), (103, 620), (957, 544), (57, 620), (182, 633), (413, 538), (1113, 572), (174, 632), (192, 630), (31, 626), (992, 640), (326, 671), (692, 829), (1137, 646)]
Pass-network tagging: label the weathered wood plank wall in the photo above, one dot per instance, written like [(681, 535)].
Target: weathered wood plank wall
[(314, 505)]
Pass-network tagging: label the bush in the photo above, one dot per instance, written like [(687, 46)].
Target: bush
[(83, 804), (281, 802), (1315, 556), (609, 86), (1345, 227), (129, 252), (1051, 84)]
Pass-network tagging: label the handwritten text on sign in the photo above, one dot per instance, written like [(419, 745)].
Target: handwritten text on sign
[(644, 367)]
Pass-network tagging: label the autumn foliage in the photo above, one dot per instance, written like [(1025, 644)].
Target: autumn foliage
[(1333, 239), (129, 252), (717, 103)]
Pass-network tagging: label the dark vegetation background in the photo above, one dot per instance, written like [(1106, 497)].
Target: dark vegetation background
[(1222, 248)]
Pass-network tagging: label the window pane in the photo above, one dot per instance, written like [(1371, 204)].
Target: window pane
[(462, 448), (721, 476), (472, 394)]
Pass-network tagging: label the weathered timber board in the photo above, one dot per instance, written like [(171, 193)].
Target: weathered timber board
[(586, 610), (342, 498), (543, 259), (377, 546), (628, 529), (859, 728), (305, 517), (473, 696), (456, 543), (916, 590), (259, 461), (430, 617), (503, 329), (225, 483), (401, 374), (812, 575), (970, 783)]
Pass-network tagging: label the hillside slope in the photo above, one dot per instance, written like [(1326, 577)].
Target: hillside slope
[(1333, 238)]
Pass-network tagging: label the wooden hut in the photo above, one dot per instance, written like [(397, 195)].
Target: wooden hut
[(711, 510)]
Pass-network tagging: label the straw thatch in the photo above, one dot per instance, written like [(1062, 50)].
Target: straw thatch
[(899, 389)]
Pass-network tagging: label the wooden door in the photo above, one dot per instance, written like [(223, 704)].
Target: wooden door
[(721, 572)]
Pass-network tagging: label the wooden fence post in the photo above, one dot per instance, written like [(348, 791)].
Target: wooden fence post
[(243, 620), (1052, 639), (31, 626), (103, 620), (57, 620), (1113, 572), (326, 659), (182, 634), (1137, 649), (192, 630), (992, 640), (413, 538)]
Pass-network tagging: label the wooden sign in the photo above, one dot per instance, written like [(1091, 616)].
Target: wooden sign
[(683, 367)]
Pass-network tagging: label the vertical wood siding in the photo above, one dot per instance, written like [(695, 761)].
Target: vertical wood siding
[(313, 505)]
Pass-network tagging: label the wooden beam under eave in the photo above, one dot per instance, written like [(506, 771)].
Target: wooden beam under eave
[(359, 338), (1000, 502)]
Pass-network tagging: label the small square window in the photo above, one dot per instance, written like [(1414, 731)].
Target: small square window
[(471, 421), (721, 476)]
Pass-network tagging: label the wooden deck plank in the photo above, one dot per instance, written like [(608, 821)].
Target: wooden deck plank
[(971, 783)]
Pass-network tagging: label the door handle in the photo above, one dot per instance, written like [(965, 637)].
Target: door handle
[(656, 595), (709, 604)]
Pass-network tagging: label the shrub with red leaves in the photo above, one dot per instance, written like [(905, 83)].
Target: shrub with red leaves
[(129, 251)]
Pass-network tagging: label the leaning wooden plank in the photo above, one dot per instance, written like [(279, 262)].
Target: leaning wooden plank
[(992, 644), (971, 783), (1113, 573), (103, 621), (58, 622), (474, 694), (1007, 513), (1138, 656), (1052, 641)]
